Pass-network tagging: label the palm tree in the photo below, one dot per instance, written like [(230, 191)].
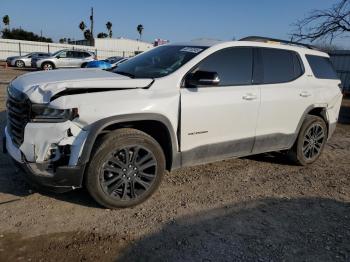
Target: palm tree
[(87, 34), (140, 30), (109, 28), (6, 21), (82, 26)]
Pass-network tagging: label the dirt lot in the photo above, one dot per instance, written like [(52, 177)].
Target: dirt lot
[(260, 208)]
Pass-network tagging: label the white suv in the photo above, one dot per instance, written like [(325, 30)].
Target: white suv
[(116, 132), (66, 58)]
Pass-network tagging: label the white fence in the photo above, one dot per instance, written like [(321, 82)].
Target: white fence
[(11, 47)]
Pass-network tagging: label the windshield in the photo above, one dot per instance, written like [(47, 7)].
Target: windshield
[(158, 62), (54, 54)]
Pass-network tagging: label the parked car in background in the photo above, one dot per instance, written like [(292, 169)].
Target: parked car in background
[(108, 63), (102, 64), (116, 60), (67, 58), (25, 60), (177, 105)]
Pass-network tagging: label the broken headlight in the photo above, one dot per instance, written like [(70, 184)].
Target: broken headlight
[(43, 113)]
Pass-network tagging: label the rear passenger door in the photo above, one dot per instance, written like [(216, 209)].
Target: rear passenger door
[(285, 96), (219, 121), (76, 59)]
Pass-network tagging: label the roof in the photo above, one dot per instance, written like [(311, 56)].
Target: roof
[(256, 42), (200, 42)]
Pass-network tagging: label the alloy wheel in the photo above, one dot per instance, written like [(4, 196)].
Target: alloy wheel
[(47, 67), (128, 173), (20, 64), (313, 141)]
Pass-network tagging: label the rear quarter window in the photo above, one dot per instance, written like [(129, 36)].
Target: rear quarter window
[(321, 67)]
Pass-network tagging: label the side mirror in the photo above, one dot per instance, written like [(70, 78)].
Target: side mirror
[(58, 57), (203, 78)]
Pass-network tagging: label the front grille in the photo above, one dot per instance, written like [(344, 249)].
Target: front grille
[(18, 115)]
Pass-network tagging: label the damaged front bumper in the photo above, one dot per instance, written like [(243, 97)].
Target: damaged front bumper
[(49, 154)]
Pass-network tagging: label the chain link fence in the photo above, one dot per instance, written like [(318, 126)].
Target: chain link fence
[(10, 47)]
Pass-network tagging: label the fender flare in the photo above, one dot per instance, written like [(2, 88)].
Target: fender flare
[(96, 128), (302, 119)]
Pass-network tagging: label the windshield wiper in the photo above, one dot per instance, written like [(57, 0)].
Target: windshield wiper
[(125, 74)]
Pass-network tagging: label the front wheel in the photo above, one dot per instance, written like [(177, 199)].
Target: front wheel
[(19, 64), (310, 142), (127, 166)]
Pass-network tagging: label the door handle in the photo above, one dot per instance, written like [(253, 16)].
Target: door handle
[(249, 97), (305, 94)]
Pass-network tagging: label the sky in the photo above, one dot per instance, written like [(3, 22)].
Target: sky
[(180, 20)]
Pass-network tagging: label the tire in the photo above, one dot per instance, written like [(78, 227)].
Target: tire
[(83, 65), (115, 182), (47, 66), (310, 142), (20, 64)]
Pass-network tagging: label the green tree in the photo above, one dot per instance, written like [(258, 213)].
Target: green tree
[(109, 28), (102, 35), (6, 21), (20, 34), (140, 29)]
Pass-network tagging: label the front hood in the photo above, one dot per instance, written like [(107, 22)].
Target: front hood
[(12, 57), (41, 86)]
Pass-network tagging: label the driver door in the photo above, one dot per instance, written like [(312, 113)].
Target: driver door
[(218, 120)]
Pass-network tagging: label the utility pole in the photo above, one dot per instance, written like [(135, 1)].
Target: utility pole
[(92, 26)]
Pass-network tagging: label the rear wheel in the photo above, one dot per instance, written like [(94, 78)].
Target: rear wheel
[(310, 142), (19, 64), (47, 66), (126, 168)]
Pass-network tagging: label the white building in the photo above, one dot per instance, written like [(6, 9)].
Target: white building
[(117, 46), (104, 47)]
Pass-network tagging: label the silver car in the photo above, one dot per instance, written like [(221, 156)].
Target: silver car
[(67, 58), (25, 60)]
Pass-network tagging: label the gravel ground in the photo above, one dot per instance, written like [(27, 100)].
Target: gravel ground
[(260, 208)]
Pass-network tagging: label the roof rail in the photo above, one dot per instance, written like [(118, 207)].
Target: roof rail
[(269, 39)]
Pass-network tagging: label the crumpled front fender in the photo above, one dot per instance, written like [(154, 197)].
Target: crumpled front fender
[(38, 138)]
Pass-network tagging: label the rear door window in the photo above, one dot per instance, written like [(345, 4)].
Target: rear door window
[(77, 54), (85, 54), (321, 67), (70, 54), (280, 66)]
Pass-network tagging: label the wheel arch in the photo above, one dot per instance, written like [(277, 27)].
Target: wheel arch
[(155, 125), (48, 62), (315, 110)]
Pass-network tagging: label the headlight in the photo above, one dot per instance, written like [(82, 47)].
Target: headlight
[(43, 113)]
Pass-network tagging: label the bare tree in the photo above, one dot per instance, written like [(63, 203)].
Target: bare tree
[(324, 24)]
